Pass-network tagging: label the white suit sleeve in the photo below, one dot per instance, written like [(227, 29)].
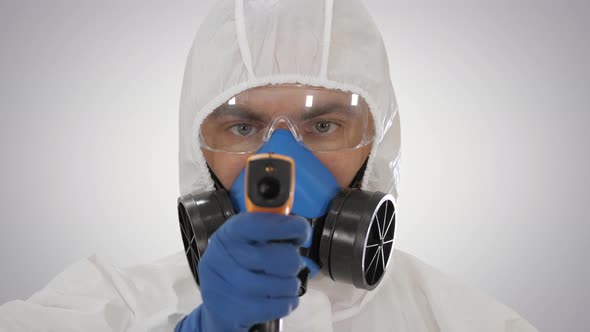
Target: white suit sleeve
[(92, 295), (417, 297)]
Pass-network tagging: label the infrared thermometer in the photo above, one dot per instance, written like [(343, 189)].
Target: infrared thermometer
[(270, 187)]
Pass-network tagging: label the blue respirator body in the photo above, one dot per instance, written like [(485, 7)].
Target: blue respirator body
[(315, 186), (353, 230)]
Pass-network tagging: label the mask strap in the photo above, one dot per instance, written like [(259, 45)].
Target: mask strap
[(356, 182), (216, 182)]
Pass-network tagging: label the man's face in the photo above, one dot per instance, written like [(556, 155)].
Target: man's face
[(285, 99)]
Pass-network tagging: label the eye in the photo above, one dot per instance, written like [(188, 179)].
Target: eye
[(325, 127), (243, 129)]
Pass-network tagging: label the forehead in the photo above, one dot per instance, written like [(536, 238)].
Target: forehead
[(288, 98)]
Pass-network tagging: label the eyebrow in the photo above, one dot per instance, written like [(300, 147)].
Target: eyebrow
[(327, 109), (239, 111), (244, 112)]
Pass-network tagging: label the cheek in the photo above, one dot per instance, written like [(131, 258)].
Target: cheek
[(226, 166), (344, 164)]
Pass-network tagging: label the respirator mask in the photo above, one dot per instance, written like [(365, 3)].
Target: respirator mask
[(353, 230)]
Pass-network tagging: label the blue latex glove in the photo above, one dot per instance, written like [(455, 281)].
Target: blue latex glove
[(246, 277)]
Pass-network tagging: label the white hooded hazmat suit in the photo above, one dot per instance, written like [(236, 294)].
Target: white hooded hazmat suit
[(244, 44)]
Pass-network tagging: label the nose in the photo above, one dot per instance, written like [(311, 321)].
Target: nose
[(282, 125), (282, 121)]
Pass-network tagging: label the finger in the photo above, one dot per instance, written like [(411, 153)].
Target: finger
[(218, 267), (251, 311), (272, 309), (278, 259), (259, 285), (265, 227), (238, 282)]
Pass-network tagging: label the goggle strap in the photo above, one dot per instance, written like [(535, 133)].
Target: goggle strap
[(356, 181), (218, 185)]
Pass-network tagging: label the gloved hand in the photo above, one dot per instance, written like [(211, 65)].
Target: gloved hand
[(246, 277)]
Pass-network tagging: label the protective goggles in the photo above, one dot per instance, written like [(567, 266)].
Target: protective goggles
[(319, 118)]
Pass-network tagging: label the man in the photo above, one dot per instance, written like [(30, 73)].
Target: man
[(266, 56)]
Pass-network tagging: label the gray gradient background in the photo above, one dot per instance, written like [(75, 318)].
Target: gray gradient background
[(494, 174)]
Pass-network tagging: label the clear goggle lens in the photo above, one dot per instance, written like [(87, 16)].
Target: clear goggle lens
[(322, 119)]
